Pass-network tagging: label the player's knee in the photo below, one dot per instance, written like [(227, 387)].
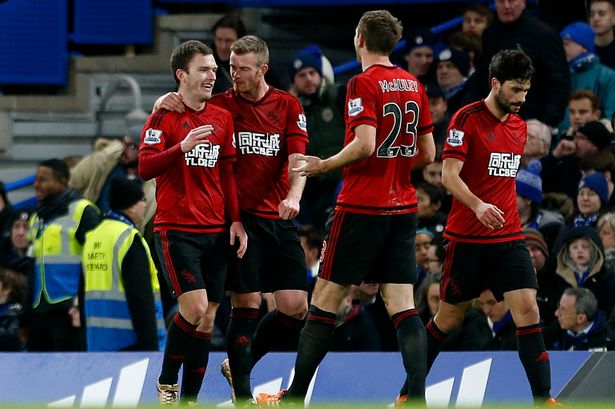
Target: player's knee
[(297, 310), (526, 314), (194, 312), (448, 322)]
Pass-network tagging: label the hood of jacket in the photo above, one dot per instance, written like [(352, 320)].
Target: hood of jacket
[(564, 270)]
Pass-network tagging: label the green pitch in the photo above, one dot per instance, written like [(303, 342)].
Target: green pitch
[(569, 405)]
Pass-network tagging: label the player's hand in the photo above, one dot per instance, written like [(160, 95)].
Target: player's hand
[(490, 215), (312, 166), (237, 231), (565, 147), (196, 137), (171, 101), (289, 208)]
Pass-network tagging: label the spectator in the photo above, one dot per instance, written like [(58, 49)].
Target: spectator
[(355, 329), (12, 291), (538, 141), (452, 68), (583, 107), (123, 311), (602, 162), (6, 210), (438, 109), (606, 230), (529, 198), (58, 229), (323, 103), (435, 257), (467, 43), (476, 18), (514, 27), (602, 21), (547, 295), (419, 54), (586, 71), (92, 176), (561, 169), (592, 198), (312, 240), (428, 297), (582, 325), (14, 254), (500, 321), (422, 242), (225, 32), (580, 263), (429, 215), (560, 203)]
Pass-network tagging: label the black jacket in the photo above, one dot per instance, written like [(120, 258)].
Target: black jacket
[(548, 96)]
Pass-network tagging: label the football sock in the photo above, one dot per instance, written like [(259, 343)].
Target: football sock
[(178, 337), (412, 341), (535, 360), (314, 343), (238, 346), (276, 331), (195, 364), (435, 338)]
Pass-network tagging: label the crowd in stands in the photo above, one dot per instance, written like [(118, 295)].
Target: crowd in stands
[(565, 186)]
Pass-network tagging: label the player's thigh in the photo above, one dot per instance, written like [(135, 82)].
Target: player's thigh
[(512, 269), (180, 258), (214, 266), (284, 265), (463, 272), (396, 262), (351, 248)]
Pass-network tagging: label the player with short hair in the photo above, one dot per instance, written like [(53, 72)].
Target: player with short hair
[(270, 135), (191, 155), (485, 247), (372, 234)]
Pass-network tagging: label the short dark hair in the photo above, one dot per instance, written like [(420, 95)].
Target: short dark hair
[(510, 65), (59, 168), (183, 53), (585, 93), (230, 21), (436, 195), (481, 10), (381, 30)]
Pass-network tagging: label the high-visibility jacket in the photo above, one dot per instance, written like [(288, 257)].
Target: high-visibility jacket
[(57, 254), (108, 320)]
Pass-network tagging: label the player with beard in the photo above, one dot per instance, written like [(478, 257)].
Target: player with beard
[(191, 155), (485, 245), (270, 134)]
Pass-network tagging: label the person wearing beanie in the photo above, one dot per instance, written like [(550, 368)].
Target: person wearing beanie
[(419, 52), (115, 158), (592, 197), (323, 103), (133, 292), (529, 198), (452, 67), (14, 251), (586, 70)]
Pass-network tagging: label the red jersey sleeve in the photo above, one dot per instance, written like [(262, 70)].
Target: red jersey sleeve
[(228, 151), (361, 101), (157, 151), (296, 127), (457, 142)]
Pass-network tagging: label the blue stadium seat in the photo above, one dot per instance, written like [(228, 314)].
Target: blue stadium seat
[(33, 42), (109, 22)]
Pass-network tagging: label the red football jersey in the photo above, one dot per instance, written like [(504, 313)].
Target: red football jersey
[(491, 151), (266, 132), (395, 103), (189, 193)]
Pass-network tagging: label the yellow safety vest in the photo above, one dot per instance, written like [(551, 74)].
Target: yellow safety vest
[(57, 255), (108, 320)]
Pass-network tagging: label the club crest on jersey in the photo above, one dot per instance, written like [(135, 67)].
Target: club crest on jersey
[(455, 137), (355, 106), (302, 123), (152, 136)]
